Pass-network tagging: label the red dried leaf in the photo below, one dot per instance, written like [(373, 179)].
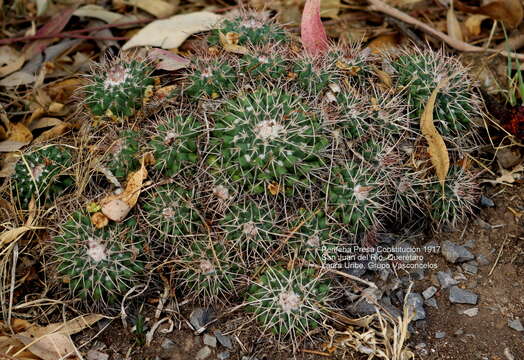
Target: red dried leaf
[(56, 24), (313, 34)]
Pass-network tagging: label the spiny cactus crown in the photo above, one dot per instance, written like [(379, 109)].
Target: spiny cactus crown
[(39, 174), (250, 30), (120, 90), (122, 156), (98, 264)]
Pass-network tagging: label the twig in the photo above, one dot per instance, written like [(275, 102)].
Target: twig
[(72, 33), (498, 257), (380, 6)]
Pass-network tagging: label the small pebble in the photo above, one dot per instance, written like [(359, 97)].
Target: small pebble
[(459, 332), (224, 340), (440, 335), (210, 340), (203, 353), (470, 267), (223, 355), (461, 296), (471, 312), (482, 260), (445, 279), (429, 292), (516, 325), (486, 201), (200, 317), (431, 302), (96, 355)]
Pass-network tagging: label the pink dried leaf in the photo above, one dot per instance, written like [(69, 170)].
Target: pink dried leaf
[(313, 34), (55, 25), (168, 60)]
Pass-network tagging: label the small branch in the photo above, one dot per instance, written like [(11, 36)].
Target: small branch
[(73, 33), (380, 6)]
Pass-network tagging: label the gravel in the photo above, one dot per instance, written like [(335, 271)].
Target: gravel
[(516, 325), (461, 296), (455, 253), (416, 302), (445, 279), (210, 340), (429, 292)]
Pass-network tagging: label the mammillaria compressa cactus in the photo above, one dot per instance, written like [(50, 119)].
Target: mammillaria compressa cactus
[(260, 135)]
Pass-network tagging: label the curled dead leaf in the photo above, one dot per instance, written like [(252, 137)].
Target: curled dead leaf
[(510, 12), (436, 147), (99, 220), (274, 188), (158, 8), (454, 29), (473, 24), (229, 42)]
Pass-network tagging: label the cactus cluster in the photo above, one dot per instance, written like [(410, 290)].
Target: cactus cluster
[(271, 155), (119, 90), (40, 174), (98, 265)]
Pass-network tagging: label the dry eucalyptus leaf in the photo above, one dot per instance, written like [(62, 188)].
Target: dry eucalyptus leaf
[(473, 24), (510, 12), (436, 147), (158, 8), (14, 234), (454, 29), (171, 33), (98, 12), (44, 123), (168, 60), (19, 136), (17, 79), (10, 60)]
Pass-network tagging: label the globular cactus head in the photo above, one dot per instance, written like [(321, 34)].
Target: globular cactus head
[(249, 227), (458, 199), (250, 29), (119, 88), (267, 136), (122, 156), (457, 104), (206, 272), (211, 79), (314, 238), (289, 303), (174, 143), (40, 173), (265, 65), (170, 212), (356, 196), (99, 265)]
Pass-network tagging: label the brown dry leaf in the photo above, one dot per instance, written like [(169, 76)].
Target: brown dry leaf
[(229, 42), (55, 107), (14, 234), (99, 220), (274, 188), (10, 60), (508, 11), (330, 8), (473, 24), (383, 43), (61, 91), (19, 135), (52, 133), (436, 146), (454, 29), (116, 207), (158, 8)]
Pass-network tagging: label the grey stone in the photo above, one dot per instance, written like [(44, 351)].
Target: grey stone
[(470, 267), (224, 340), (486, 201), (362, 308), (203, 353), (482, 260), (96, 355), (461, 296), (459, 332), (455, 253), (445, 279), (168, 344), (200, 317), (470, 244), (416, 303), (516, 325), (471, 312), (224, 355), (429, 292), (390, 308), (431, 302), (440, 335), (460, 277), (210, 340), (508, 157)]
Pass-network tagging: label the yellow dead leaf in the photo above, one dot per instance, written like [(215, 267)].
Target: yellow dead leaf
[(274, 188), (436, 146), (454, 29), (473, 24), (20, 133), (44, 123), (99, 220), (229, 42), (116, 207), (10, 60), (53, 132), (55, 107), (383, 43), (14, 234)]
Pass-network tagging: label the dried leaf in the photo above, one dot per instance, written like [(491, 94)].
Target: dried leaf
[(52, 133), (158, 8), (98, 12), (508, 11), (330, 8), (14, 234), (454, 29), (10, 60), (168, 60), (116, 207), (229, 42), (41, 7), (44, 123), (18, 78), (473, 24), (313, 34), (383, 43), (436, 146), (171, 33), (19, 135), (274, 188), (53, 26), (99, 220)]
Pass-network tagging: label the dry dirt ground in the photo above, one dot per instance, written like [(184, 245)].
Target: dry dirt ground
[(497, 234)]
